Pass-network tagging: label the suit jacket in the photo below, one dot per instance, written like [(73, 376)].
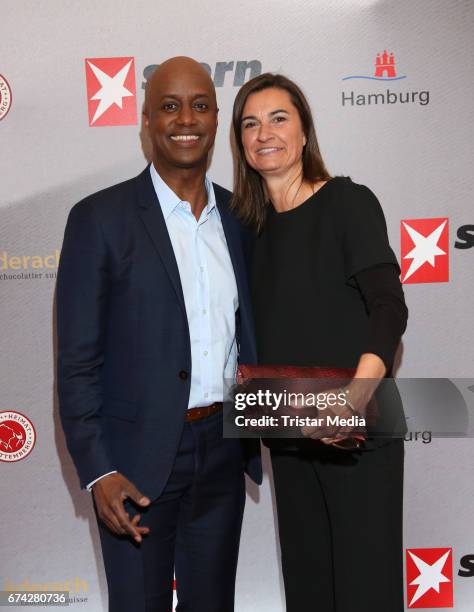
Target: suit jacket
[(124, 355)]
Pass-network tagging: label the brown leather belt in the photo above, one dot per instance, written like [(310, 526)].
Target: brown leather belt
[(201, 412)]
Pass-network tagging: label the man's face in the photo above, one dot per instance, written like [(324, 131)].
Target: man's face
[(181, 117)]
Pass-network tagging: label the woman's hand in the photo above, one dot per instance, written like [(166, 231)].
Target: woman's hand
[(342, 417), (370, 371), (356, 397)]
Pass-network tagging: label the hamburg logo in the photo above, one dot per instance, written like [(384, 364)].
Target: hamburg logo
[(17, 436), (111, 91), (425, 250), (5, 97), (429, 577), (384, 69)]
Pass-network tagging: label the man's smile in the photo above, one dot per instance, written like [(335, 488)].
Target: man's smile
[(185, 138)]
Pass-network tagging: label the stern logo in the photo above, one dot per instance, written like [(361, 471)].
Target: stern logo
[(429, 577), (222, 73), (425, 250), (111, 91)]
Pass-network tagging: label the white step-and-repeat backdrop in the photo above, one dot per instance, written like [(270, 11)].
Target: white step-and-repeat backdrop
[(390, 83)]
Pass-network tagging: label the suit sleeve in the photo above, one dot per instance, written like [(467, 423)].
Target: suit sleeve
[(81, 294)]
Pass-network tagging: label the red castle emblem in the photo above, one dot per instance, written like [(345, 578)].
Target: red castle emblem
[(384, 69), (385, 65)]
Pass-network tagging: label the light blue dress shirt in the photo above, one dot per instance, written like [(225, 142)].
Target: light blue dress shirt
[(209, 288)]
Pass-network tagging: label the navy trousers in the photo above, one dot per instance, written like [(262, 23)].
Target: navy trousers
[(194, 530)]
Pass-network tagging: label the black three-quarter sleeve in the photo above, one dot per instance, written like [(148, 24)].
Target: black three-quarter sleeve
[(382, 293), (365, 239), (371, 265)]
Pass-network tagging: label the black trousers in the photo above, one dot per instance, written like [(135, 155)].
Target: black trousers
[(194, 529), (340, 525)]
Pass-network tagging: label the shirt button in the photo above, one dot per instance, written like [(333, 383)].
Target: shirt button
[(204, 311), (201, 268), (206, 394), (205, 353), (183, 374)]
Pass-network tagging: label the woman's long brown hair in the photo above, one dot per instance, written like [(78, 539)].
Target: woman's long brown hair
[(249, 199)]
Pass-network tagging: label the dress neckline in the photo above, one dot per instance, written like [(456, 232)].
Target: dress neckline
[(303, 204)]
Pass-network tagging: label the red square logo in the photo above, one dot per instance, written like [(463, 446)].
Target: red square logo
[(111, 91), (429, 577), (425, 250)]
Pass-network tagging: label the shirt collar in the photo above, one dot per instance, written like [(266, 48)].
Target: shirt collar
[(169, 200)]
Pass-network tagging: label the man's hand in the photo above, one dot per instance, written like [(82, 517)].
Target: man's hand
[(109, 495)]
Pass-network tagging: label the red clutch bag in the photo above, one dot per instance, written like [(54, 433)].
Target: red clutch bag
[(322, 379), (250, 372)]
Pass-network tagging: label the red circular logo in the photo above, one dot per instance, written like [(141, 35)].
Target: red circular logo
[(5, 97), (17, 436)]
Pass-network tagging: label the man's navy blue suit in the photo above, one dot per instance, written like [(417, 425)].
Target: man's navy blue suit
[(124, 356)]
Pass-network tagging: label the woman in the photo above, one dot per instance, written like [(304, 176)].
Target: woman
[(326, 292)]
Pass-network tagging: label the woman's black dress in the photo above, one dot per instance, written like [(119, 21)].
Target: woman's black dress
[(326, 290)]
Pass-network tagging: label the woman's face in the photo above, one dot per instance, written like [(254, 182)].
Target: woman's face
[(272, 134)]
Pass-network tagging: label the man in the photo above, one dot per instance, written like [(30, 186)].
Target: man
[(153, 306)]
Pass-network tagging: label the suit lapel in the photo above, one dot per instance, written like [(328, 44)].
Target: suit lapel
[(233, 240), (234, 244), (151, 214), (232, 236)]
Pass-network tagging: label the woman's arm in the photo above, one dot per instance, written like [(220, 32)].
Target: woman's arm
[(382, 293)]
